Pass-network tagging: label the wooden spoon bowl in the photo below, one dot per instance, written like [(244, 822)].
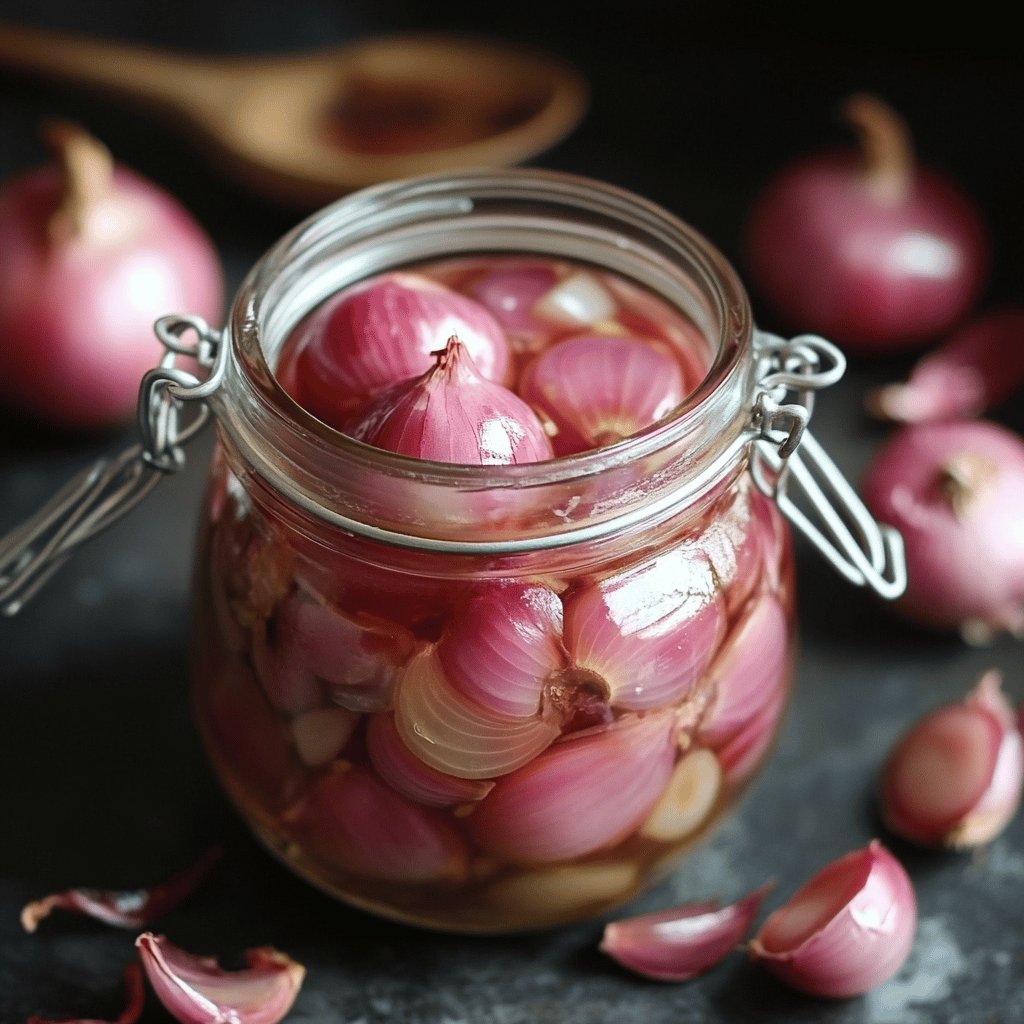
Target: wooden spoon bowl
[(305, 128)]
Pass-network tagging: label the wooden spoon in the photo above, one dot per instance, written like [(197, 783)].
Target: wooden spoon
[(305, 128)]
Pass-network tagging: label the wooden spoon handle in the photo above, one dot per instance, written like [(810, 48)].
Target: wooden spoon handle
[(180, 83)]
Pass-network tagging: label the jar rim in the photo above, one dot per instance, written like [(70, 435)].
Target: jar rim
[(736, 326)]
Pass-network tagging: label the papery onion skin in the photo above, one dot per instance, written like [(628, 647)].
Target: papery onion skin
[(453, 414), (127, 908), (135, 998), (953, 489), (683, 942), (978, 367), (586, 793), (195, 990), (864, 247), (78, 302), (384, 331), (955, 778), (597, 389), (847, 930)]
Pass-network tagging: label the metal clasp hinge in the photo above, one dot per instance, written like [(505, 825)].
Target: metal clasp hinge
[(786, 457), (172, 410)]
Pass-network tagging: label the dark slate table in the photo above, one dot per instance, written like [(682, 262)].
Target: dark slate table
[(104, 782)]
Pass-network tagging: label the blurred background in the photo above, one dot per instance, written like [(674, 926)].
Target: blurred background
[(693, 105)]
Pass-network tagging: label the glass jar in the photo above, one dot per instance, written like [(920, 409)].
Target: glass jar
[(494, 698)]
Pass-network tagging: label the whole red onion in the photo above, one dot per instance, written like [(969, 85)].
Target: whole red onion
[(866, 247), (92, 255), (955, 490)]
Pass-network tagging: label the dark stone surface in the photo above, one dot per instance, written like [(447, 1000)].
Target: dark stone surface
[(104, 782)]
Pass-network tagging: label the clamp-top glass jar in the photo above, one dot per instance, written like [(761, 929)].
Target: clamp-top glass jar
[(487, 698)]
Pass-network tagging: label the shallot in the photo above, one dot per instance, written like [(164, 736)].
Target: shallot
[(384, 331), (453, 413), (978, 367), (864, 246), (956, 492), (845, 931), (127, 908), (195, 990), (955, 778), (93, 254), (679, 944), (597, 389)]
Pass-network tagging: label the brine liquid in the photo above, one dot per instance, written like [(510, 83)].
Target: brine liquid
[(482, 754)]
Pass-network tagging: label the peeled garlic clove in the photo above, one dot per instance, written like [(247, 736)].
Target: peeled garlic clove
[(502, 644), (509, 293), (586, 793), (322, 734), (555, 893), (195, 990), (749, 672), (650, 632), (354, 822), (681, 943), (689, 798), (453, 414), (578, 299), (384, 331), (597, 389), (403, 771), (124, 908), (459, 736), (955, 778), (846, 930)]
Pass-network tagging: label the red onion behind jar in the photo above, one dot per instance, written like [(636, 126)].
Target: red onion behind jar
[(92, 255), (955, 490)]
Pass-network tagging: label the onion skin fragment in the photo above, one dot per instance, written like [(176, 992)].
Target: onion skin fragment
[(135, 998), (650, 632), (955, 778), (586, 793), (352, 820), (195, 990), (681, 943), (127, 908), (846, 930), (978, 367)]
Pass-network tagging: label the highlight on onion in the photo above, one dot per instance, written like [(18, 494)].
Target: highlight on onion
[(955, 778), (866, 246), (846, 930), (195, 990), (93, 254), (953, 489)]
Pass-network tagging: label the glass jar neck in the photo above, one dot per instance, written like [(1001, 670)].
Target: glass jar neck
[(667, 470)]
